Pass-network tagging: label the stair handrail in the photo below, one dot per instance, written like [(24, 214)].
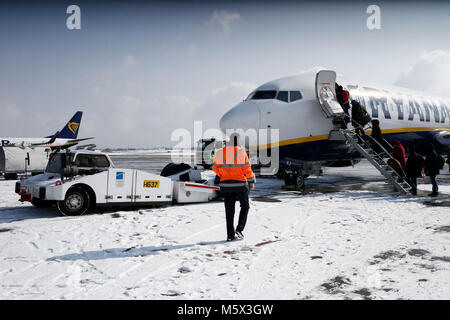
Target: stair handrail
[(381, 146), (369, 127)]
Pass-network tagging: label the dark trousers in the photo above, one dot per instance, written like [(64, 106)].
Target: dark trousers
[(413, 183), (230, 202), (360, 132), (434, 183)]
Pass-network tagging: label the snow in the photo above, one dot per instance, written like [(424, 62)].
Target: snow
[(152, 152), (341, 239)]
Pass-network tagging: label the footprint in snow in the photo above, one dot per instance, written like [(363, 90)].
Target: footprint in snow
[(172, 293), (184, 270)]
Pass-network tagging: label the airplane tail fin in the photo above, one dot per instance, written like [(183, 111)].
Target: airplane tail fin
[(70, 130)]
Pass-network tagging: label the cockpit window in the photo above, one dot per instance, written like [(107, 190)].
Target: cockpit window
[(250, 95), (295, 95), (264, 94), (283, 96)]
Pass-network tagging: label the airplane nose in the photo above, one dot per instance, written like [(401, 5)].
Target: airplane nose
[(244, 116)]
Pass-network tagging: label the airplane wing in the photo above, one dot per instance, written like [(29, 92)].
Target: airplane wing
[(52, 139), (69, 143)]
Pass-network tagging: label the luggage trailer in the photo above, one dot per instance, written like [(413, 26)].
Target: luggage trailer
[(81, 180)]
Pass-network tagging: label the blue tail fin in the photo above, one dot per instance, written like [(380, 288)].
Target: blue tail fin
[(70, 130)]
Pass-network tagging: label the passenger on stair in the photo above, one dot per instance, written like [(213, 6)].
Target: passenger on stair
[(398, 152), (343, 97), (346, 104), (360, 117), (377, 136)]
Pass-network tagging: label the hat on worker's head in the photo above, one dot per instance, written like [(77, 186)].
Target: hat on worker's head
[(234, 139)]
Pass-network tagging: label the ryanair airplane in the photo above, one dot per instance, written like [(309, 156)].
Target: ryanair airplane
[(65, 138), (295, 107)]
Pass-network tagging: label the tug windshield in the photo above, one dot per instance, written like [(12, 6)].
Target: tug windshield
[(54, 163)]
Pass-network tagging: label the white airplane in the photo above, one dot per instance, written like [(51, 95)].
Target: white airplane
[(301, 107), (67, 137)]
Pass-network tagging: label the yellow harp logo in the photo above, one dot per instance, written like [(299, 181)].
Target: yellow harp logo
[(73, 127)]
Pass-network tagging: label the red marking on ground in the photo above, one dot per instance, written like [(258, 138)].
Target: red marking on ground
[(209, 255), (266, 242), (325, 83), (229, 252)]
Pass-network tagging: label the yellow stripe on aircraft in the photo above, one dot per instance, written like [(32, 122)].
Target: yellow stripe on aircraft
[(325, 136)]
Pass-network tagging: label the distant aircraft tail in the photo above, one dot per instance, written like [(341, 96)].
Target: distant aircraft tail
[(70, 130)]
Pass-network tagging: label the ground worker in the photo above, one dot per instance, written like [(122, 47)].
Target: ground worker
[(232, 165)]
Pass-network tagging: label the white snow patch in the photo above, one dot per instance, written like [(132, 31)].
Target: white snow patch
[(343, 244)]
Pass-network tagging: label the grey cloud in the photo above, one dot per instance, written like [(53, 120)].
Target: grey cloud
[(429, 73), (223, 19)]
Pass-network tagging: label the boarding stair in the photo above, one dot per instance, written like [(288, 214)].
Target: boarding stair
[(376, 154), (367, 146)]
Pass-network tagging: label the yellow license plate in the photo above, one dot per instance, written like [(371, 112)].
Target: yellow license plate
[(151, 183)]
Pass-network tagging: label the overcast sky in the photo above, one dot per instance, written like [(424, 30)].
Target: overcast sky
[(140, 70)]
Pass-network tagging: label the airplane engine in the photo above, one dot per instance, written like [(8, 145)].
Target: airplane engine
[(443, 138)]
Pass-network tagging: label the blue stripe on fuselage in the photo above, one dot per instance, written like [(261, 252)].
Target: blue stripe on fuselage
[(326, 150)]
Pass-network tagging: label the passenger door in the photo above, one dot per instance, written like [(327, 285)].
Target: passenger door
[(326, 94)]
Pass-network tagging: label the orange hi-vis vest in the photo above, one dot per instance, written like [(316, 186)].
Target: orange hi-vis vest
[(231, 164)]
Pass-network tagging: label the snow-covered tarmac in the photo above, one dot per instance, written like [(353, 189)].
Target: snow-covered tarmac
[(347, 236)]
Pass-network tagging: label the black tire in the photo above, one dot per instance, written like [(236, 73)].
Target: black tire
[(280, 174), (300, 180), (75, 203), (174, 168), (38, 203), (297, 180), (290, 179), (10, 176)]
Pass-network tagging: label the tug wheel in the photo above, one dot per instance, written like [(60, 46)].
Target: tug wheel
[(75, 203)]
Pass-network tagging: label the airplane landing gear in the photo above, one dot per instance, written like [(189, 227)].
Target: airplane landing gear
[(301, 180), (295, 178), (294, 172)]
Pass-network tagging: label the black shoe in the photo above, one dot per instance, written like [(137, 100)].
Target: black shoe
[(231, 239), (239, 235), (433, 194)]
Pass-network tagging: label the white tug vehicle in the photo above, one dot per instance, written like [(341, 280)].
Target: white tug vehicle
[(79, 180)]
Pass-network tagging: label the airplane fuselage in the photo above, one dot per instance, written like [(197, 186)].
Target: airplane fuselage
[(27, 142), (406, 115)]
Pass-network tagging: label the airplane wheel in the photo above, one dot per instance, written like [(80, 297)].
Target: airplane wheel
[(75, 203), (300, 180), (290, 179), (280, 174)]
